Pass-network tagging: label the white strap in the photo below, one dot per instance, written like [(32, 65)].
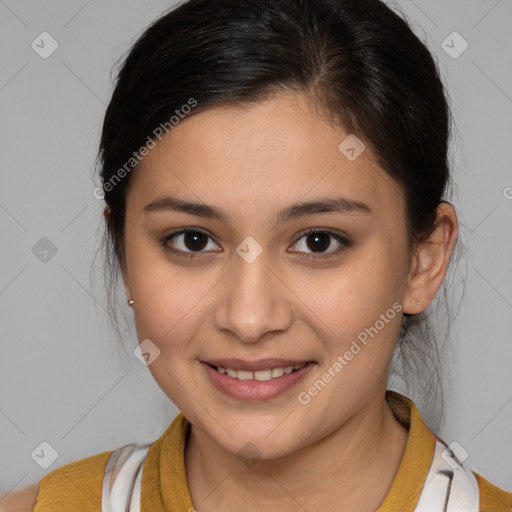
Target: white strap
[(127, 462), (449, 486), (135, 501)]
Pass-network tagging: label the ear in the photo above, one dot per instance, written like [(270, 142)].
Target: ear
[(430, 261), (124, 271)]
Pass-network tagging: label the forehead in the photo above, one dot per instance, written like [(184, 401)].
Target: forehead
[(277, 151)]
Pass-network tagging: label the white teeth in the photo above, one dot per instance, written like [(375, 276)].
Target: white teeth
[(245, 375), (260, 375), (277, 372)]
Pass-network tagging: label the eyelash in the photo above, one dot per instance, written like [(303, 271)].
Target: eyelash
[(345, 243)]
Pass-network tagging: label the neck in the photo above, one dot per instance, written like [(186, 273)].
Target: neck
[(350, 469)]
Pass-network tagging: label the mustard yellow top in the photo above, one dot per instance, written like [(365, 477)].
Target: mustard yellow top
[(77, 486)]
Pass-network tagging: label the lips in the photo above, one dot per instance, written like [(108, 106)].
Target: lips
[(255, 380)]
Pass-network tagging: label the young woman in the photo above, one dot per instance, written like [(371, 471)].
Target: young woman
[(274, 174)]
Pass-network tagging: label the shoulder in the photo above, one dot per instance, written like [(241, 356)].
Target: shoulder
[(78, 482), (492, 498), (23, 500)]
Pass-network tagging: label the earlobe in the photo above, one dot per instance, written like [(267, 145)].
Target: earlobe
[(127, 291), (126, 283), (430, 261)]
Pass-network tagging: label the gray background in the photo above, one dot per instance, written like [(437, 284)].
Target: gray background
[(63, 378)]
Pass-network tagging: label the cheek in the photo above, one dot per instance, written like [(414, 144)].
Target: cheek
[(363, 311), (166, 297), (161, 290), (166, 316), (354, 296), (167, 313)]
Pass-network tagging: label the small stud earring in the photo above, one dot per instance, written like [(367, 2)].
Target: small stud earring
[(130, 302)]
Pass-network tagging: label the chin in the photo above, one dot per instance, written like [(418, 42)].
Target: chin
[(270, 439)]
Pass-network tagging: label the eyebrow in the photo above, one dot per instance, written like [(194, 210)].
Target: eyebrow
[(294, 211)]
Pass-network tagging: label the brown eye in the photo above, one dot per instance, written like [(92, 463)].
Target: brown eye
[(318, 242), (321, 242), (195, 241), (189, 241)]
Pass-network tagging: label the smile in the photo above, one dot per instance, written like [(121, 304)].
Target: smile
[(261, 380)]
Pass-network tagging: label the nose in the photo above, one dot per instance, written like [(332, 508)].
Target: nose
[(254, 300)]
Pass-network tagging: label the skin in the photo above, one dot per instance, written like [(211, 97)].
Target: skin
[(341, 451)]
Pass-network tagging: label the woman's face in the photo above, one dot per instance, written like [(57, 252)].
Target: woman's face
[(251, 290)]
